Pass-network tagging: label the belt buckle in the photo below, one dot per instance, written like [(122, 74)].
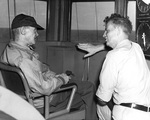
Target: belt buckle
[(133, 105), (148, 109)]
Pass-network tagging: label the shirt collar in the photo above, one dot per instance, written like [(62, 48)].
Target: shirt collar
[(23, 48), (13, 43), (123, 43)]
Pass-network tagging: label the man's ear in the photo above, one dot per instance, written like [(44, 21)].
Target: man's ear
[(23, 30), (118, 30)]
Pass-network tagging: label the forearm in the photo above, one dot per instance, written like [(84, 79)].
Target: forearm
[(110, 104), (90, 48), (51, 85), (99, 47), (51, 82)]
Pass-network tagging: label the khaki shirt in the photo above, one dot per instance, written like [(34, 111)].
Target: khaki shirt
[(38, 75)]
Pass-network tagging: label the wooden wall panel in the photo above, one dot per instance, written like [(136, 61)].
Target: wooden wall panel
[(61, 59)]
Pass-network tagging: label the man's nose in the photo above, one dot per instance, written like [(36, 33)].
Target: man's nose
[(37, 34)]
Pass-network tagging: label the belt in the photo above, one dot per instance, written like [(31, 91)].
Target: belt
[(136, 106)]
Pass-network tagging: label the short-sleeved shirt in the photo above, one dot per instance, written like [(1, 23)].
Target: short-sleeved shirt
[(38, 75), (125, 75)]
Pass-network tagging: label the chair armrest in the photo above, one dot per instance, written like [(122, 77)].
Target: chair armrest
[(36, 95), (31, 96), (68, 85), (63, 88)]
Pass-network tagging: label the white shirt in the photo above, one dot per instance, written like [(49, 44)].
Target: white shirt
[(125, 75)]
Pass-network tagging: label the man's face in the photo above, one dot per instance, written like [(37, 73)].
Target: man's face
[(110, 35), (31, 35)]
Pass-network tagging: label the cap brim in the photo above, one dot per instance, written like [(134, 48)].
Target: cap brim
[(39, 27)]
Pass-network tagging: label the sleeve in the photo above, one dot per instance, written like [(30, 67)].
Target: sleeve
[(108, 79), (39, 82)]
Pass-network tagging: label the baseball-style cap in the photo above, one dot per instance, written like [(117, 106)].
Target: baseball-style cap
[(25, 20)]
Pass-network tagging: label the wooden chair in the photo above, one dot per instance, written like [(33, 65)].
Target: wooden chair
[(13, 79)]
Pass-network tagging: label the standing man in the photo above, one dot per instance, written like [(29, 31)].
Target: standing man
[(39, 76), (125, 75)]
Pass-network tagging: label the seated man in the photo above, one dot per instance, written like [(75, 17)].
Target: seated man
[(40, 78), (16, 108)]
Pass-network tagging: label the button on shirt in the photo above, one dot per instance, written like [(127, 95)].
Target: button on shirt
[(125, 75)]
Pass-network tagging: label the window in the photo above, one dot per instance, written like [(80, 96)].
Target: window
[(4, 21), (131, 13), (11, 8), (87, 20)]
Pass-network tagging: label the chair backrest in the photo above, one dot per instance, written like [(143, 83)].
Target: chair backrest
[(13, 79)]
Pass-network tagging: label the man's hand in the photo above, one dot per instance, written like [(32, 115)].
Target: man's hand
[(91, 49), (65, 77)]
